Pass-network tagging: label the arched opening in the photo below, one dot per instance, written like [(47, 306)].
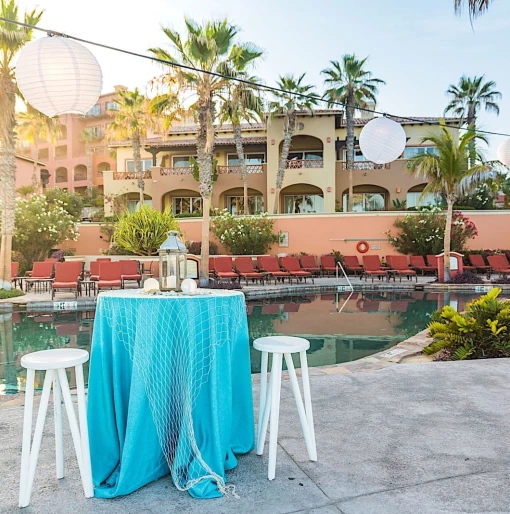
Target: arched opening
[(80, 172), (416, 198), (130, 201), (103, 166), (183, 202), (301, 199), (45, 177), (233, 201), (61, 175), (367, 197), (305, 152)]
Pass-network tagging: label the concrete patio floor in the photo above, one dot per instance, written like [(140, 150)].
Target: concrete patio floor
[(427, 438)]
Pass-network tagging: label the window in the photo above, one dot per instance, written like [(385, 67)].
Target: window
[(61, 152), (181, 161), (235, 204), (411, 151), (358, 155), (305, 155), (95, 132), (112, 106), (250, 158), (133, 205), (301, 204), (413, 199), (186, 205), (366, 202), (44, 154), (146, 164), (94, 111)]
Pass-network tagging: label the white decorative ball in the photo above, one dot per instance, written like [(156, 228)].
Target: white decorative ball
[(504, 152), (189, 286), (58, 75), (151, 286), (382, 140)]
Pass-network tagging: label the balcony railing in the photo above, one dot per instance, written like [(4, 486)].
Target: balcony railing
[(176, 170), (298, 164), (235, 168), (130, 175), (367, 165)]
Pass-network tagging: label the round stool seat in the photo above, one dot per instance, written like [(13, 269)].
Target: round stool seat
[(281, 344), (55, 359)]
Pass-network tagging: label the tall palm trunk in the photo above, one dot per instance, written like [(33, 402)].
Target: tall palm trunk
[(471, 121), (288, 132), (350, 149), (238, 138), (8, 179), (138, 165), (35, 181), (448, 236), (88, 156)]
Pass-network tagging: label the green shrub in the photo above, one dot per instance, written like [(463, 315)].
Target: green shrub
[(482, 332), (195, 247), (12, 293), (245, 235), (142, 232), (71, 202)]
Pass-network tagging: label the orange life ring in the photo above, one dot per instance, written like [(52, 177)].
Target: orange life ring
[(362, 247)]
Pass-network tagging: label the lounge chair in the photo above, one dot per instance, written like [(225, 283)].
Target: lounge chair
[(432, 262), (399, 266), (308, 264), (41, 274), (372, 267), (499, 264), (51, 259), (270, 265), (328, 264), (477, 261), (418, 263), (94, 270), (109, 276), (351, 264), (129, 272), (211, 266), (104, 259), (223, 269), (14, 272), (245, 269), (291, 264), (67, 276)]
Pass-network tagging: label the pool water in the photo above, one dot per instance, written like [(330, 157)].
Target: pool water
[(340, 327)]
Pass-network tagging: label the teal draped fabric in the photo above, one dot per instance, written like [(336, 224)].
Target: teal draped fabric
[(137, 337)]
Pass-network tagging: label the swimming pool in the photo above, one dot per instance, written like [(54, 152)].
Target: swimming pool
[(340, 327)]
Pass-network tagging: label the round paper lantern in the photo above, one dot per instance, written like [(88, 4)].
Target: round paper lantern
[(57, 75), (382, 140), (189, 286), (504, 152), (151, 286)]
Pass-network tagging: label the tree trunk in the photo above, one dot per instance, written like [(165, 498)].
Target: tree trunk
[(471, 121), (138, 165), (88, 155), (8, 179), (238, 138), (448, 236), (35, 182), (288, 132), (350, 148)]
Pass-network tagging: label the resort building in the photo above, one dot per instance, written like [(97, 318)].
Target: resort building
[(316, 178), (25, 170)]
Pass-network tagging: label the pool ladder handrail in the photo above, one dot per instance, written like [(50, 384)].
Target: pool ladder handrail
[(351, 288)]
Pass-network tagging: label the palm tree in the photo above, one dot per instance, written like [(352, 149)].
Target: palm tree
[(35, 127), (349, 83), (89, 137), (133, 119), (242, 102), (210, 47), (12, 39), (476, 7), (448, 172), (288, 103)]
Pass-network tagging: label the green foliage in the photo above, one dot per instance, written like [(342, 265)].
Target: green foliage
[(71, 202), (195, 247), (195, 169), (40, 226), (399, 205), (483, 331), (143, 231), (423, 234), (250, 235), (25, 190), (13, 293)]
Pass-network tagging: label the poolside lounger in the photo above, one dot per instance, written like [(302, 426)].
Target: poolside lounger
[(109, 276), (499, 264), (41, 273), (477, 261), (432, 262), (291, 264), (308, 264), (67, 276), (328, 264), (400, 267), (270, 265), (129, 272), (418, 263), (223, 268), (372, 265), (351, 263), (245, 269), (211, 266), (14, 272)]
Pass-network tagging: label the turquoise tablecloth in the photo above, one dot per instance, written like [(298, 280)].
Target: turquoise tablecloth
[(155, 359)]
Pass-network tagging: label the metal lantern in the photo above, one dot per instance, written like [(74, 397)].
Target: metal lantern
[(58, 75), (504, 152), (173, 257), (382, 140)]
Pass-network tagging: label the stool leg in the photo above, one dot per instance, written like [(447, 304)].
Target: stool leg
[(310, 445), (276, 376), (39, 426), (84, 432), (262, 393), (262, 429), (57, 414), (308, 400), (27, 436)]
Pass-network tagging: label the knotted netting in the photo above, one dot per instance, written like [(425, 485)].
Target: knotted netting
[(172, 341)]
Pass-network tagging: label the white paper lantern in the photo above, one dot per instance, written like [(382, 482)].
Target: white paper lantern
[(382, 140), (57, 75), (188, 286), (504, 152), (151, 286)]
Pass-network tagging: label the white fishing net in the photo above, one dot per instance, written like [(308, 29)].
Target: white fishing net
[(172, 345)]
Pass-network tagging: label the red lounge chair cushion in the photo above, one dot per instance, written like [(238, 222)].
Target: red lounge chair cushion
[(131, 277), (253, 274), (226, 274), (109, 283), (64, 285)]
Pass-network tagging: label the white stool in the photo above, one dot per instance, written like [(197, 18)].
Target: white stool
[(269, 401), (54, 362)]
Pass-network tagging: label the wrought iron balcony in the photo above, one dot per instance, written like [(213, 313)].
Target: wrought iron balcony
[(250, 168), (367, 165), (131, 175), (298, 164)]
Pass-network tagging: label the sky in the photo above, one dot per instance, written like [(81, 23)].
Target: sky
[(418, 47)]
